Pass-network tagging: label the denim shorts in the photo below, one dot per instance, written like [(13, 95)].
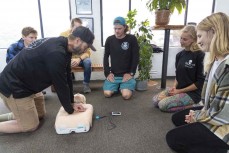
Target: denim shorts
[(118, 84)]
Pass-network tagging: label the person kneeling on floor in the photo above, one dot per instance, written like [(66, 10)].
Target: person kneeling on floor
[(22, 78)]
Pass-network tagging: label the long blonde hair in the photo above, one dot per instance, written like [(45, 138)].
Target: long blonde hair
[(191, 30), (219, 23)]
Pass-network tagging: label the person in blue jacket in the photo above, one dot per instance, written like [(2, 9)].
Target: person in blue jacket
[(29, 35)]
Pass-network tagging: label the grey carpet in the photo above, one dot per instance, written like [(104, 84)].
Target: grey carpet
[(140, 129)]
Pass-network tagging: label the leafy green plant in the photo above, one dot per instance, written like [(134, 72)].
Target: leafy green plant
[(144, 36), (171, 5)]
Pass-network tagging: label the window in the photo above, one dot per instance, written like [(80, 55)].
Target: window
[(158, 38), (55, 14), (196, 11), (15, 15), (112, 9)]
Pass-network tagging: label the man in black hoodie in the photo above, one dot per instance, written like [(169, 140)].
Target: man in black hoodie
[(45, 62)]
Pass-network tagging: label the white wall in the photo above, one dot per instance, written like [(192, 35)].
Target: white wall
[(2, 59), (96, 57), (222, 6)]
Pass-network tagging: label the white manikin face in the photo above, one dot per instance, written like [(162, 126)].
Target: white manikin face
[(79, 98)]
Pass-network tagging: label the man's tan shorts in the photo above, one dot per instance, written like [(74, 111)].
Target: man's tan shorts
[(27, 111)]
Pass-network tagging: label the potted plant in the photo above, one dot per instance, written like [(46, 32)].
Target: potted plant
[(163, 9), (144, 36)]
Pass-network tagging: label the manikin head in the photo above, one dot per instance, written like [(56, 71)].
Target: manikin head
[(79, 98)]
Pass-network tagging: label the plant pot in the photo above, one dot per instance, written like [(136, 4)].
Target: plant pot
[(162, 17), (141, 85)]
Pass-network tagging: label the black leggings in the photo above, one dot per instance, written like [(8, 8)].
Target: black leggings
[(194, 137)]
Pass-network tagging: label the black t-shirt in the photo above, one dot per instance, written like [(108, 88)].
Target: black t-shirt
[(124, 55), (189, 70), (45, 62)]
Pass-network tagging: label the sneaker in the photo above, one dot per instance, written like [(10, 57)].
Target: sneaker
[(86, 88)]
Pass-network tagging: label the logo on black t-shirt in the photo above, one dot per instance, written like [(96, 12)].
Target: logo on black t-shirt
[(37, 43), (189, 64), (125, 45)]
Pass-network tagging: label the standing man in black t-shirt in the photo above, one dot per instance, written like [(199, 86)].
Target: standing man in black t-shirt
[(123, 51), (43, 63)]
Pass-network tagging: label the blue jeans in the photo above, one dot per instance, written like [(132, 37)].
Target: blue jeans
[(86, 64)]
